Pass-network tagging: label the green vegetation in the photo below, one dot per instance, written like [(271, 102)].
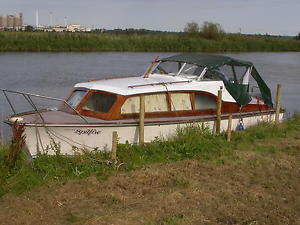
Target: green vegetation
[(209, 30), (193, 142), (208, 41)]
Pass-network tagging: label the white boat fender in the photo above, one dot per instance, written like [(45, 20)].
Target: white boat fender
[(16, 119), (240, 126)]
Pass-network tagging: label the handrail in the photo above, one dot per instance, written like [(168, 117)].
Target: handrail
[(159, 83), (31, 103)]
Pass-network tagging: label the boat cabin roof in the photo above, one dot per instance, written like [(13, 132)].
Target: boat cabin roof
[(153, 84)]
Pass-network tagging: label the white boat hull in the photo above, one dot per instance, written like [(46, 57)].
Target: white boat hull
[(71, 139)]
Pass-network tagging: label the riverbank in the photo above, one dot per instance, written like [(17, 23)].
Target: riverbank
[(154, 42), (193, 178)]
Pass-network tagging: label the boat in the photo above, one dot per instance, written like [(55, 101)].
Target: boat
[(178, 90)]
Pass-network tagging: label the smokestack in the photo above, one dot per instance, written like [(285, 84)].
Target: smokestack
[(51, 20), (65, 21), (37, 18)]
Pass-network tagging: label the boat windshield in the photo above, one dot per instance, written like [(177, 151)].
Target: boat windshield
[(75, 98), (170, 68), (180, 69)]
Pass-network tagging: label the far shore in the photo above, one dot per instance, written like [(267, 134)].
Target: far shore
[(152, 42)]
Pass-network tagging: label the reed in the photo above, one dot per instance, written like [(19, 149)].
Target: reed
[(142, 42)]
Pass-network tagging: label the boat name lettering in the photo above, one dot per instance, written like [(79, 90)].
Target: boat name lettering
[(87, 132)]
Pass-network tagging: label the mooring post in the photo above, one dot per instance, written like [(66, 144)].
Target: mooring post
[(219, 107), (229, 128), (114, 145), (142, 120), (1, 130), (278, 99), (1, 138)]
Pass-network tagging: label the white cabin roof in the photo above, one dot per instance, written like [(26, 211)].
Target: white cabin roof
[(155, 83)]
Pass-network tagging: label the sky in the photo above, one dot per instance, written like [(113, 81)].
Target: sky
[(276, 17)]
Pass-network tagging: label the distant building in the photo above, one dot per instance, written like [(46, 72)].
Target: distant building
[(11, 21), (68, 28), (3, 21), (73, 27), (77, 28), (59, 28)]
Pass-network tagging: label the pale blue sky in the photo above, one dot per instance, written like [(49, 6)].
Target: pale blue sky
[(252, 16)]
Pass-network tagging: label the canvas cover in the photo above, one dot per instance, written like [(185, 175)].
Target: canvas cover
[(238, 90)]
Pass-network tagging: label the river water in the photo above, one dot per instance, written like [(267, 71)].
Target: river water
[(54, 74)]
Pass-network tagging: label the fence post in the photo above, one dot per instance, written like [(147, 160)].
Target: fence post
[(114, 145), (278, 99), (229, 128), (219, 107), (142, 119)]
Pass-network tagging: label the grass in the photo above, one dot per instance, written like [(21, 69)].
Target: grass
[(193, 142), (160, 42)]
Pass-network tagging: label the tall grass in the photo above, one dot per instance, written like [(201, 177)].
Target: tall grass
[(161, 42), (193, 142)]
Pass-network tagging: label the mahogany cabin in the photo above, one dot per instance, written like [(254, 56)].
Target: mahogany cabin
[(111, 106)]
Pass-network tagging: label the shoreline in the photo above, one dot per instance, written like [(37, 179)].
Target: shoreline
[(107, 42)]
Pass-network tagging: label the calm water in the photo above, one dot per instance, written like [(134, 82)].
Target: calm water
[(54, 74)]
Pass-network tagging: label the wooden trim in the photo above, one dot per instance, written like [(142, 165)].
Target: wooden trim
[(163, 121), (115, 112), (169, 101), (110, 115), (192, 97)]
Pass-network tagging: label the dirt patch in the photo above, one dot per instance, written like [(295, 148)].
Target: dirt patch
[(263, 191)]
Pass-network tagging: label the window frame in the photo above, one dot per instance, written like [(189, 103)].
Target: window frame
[(147, 114), (107, 115), (115, 111), (213, 97)]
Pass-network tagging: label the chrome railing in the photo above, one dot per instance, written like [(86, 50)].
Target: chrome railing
[(28, 98)]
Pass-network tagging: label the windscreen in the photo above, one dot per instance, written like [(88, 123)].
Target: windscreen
[(168, 68), (75, 98)]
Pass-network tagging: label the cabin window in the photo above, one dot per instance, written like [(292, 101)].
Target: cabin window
[(171, 68), (131, 105), (156, 103), (203, 102), (75, 98), (153, 103), (180, 101), (100, 102)]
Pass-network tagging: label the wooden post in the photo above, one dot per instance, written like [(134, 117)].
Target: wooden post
[(142, 117), (149, 70), (1, 138), (229, 128), (219, 107), (278, 98), (114, 146)]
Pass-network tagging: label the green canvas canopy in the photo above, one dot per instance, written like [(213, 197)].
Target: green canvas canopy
[(238, 90), (205, 60)]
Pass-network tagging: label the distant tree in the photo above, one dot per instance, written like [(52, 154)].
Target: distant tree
[(29, 28), (298, 36), (211, 30), (191, 28)]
